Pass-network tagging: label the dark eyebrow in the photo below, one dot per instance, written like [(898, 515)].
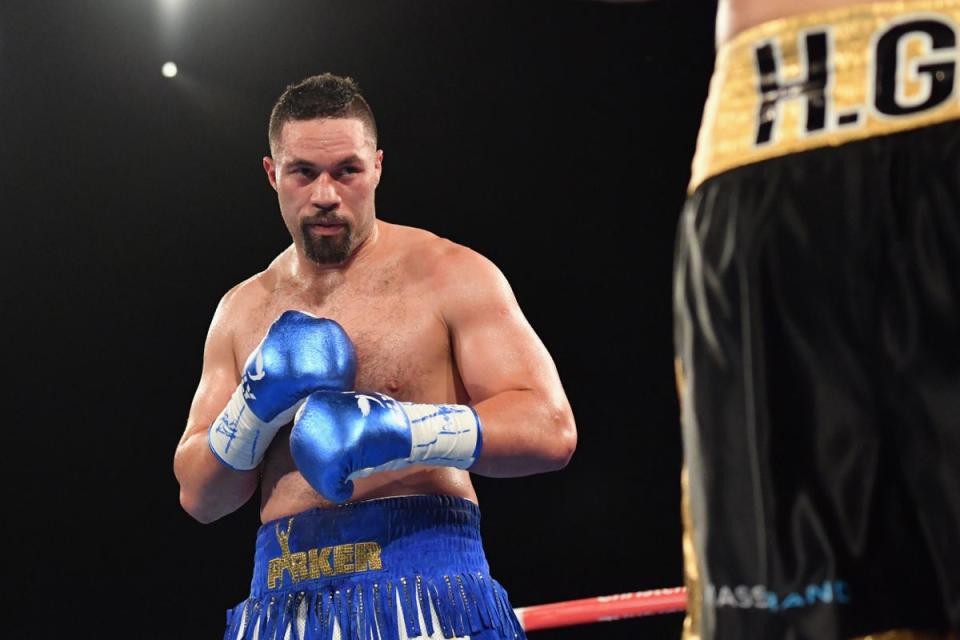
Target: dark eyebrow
[(300, 162), (350, 159)]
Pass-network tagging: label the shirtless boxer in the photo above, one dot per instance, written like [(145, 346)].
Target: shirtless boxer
[(817, 324), (410, 363)]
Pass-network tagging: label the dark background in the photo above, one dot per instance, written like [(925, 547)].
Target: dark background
[(553, 137)]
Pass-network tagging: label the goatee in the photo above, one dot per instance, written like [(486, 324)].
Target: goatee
[(325, 250)]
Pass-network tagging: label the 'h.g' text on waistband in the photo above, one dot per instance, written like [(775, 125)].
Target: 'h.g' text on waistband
[(827, 78)]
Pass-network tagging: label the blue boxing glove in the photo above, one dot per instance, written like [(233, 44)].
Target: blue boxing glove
[(340, 436), (300, 354)]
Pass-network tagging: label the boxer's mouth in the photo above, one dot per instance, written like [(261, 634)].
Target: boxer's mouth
[(325, 228)]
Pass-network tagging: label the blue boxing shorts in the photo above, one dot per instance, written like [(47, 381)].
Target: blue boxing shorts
[(391, 568)]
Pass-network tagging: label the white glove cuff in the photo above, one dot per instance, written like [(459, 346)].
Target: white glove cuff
[(443, 434), (238, 438)]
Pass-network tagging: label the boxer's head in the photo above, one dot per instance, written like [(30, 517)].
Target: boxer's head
[(325, 166), (323, 96)]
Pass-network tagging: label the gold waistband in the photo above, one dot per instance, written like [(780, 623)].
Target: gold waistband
[(828, 78)]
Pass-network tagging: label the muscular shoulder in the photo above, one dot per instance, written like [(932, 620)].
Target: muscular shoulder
[(247, 298), (443, 265), (461, 271), (462, 283)]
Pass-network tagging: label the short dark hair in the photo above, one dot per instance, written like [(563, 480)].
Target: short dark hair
[(322, 96)]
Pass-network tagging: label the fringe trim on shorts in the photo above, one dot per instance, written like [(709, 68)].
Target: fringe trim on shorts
[(465, 604)]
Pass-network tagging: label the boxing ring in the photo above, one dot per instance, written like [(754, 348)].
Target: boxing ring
[(602, 609)]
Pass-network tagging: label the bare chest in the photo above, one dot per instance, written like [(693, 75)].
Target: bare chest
[(403, 348)]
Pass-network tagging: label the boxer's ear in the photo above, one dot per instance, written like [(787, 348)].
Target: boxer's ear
[(378, 165), (270, 168)]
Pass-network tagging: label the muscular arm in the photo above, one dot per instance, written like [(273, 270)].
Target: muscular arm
[(528, 426), (208, 489)]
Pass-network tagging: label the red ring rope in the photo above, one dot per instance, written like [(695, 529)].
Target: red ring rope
[(602, 608)]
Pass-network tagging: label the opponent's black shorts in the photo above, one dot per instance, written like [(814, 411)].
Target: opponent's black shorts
[(817, 326)]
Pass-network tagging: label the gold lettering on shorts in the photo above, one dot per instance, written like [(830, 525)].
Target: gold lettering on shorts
[(368, 556), (294, 563), (320, 562), (343, 559)]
